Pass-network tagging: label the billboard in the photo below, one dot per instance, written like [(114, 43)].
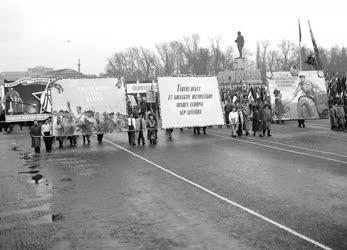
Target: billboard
[(21, 100), (189, 102), (87, 106), (293, 97)]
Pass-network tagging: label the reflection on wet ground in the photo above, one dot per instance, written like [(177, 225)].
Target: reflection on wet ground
[(31, 183)]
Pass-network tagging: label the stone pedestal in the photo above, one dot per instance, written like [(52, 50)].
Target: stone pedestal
[(239, 64)]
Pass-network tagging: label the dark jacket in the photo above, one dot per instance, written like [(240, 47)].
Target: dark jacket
[(35, 133)]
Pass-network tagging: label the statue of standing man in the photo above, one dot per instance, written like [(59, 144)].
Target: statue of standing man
[(240, 43)]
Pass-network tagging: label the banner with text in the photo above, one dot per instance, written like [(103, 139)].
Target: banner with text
[(137, 88), (293, 97), (21, 100), (102, 106), (189, 102)]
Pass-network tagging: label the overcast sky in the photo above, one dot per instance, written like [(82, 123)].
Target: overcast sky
[(34, 32)]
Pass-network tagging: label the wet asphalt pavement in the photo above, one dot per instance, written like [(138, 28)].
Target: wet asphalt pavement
[(113, 196)]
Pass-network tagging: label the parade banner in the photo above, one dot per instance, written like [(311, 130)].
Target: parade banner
[(138, 88), (87, 106), (189, 102), (293, 97), (21, 100)]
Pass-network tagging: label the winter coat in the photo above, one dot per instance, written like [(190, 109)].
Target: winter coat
[(35, 133)]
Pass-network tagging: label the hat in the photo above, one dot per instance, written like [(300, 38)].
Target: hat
[(277, 92)]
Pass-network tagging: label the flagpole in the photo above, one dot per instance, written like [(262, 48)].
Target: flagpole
[(300, 62)]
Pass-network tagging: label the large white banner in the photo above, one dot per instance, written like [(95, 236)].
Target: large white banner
[(295, 98), (87, 106), (189, 102), (99, 95)]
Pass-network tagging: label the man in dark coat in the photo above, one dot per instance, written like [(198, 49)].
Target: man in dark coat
[(35, 133), (255, 120), (267, 119)]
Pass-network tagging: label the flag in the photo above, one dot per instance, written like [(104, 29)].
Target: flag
[(254, 95), (234, 98), (315, 48), (312, 61), (299, 31), (46, 101), (261, 93)]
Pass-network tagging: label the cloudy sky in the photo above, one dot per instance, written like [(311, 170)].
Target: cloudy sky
[(35, 32)]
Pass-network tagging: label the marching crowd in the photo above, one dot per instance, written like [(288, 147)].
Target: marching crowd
[(337, 97), (66, 125), (242, 114), (247, 109)]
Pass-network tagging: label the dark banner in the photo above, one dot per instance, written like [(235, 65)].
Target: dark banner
[(22, 102)]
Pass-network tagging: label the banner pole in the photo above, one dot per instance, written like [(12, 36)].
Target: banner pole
[(300, 60)]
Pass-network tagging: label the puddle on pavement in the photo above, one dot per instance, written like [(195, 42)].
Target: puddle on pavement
[(29, 172), (33, 166)]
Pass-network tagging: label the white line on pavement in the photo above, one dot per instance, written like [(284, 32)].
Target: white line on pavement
[(312, 125), (281, 149), (316, 243), (288, 145)]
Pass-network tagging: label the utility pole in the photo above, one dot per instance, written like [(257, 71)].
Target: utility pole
[(79, 66)]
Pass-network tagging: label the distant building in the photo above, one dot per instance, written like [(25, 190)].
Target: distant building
[(62, 73), (39, 70)]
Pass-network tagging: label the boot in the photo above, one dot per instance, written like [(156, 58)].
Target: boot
[(268, 133)]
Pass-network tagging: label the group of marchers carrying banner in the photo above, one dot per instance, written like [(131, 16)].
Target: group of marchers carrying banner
[(89, 106)]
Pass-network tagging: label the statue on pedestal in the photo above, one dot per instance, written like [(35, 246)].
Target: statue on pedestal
[(240, 43)]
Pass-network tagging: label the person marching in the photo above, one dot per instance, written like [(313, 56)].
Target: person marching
[(152, 128), (35, 133), (99, 127), (140, 126), (234, 120), (131, 130), (58, 127), (267, 119), (256, 120), (239, 127), (246, 117), (46, 130)]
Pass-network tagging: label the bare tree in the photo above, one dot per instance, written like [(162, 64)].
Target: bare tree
[(287, 48)]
